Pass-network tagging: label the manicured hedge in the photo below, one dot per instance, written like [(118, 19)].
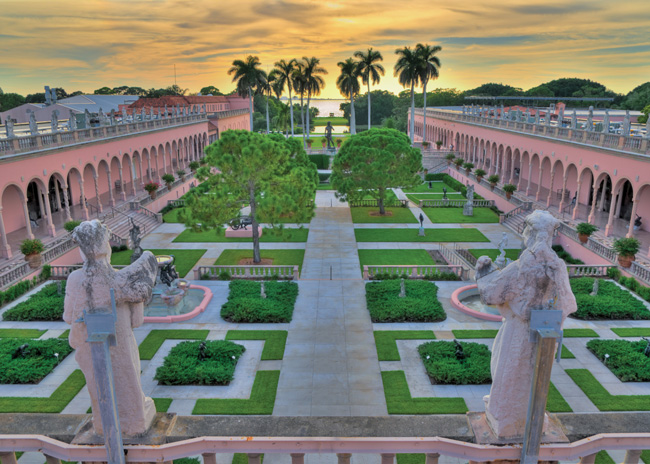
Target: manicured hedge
[(626, 359), (245, 302), (321, 161), (17, 290), (46, 305), (200, 363), (565, 256), (419, 305), (37, 361), (611, 302), (445, 368)]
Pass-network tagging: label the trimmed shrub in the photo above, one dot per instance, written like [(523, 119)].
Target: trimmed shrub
[(321, 161), (37, 360), (565, 256), (22, 287), (611, 302), (46, 305), (323, 177), (200, 363), (420, 304), (245, 302), (443, 367), (70, 225), (626, 359), (614, 273)]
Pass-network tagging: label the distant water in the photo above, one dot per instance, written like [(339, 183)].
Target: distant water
[(325, 106)]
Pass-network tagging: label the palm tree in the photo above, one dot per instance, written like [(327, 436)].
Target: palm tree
[(313, 82), (269, 85), (285, 77), (408, 71), (370, 71), (282, 119), (348, 85), (430, 67), (248, 76)]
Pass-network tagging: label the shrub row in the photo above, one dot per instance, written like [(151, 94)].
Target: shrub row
[(445, 368), (17, 290), (565, 256), (323, 177), (626, 359), (200, 363), (611, 302), (629, 282), (452, 183), (321, 161), (245, 302), (37, 360), (419, 305), (46, 305), (434, 275)]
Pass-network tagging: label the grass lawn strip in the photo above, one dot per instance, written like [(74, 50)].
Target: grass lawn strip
[(21, 333), (156, 338), (399, 215), (632, 332), (65, 334), (555, 401), (400, 401), (385, 341), (582, 333), (411, 235), (566, 353), (394, 258), (480, 333), (185, 259), (603, 400), (455, 215), (261, 401), (173, 216), (493, 253), (274, 341), (269, 235), (54, 404), (436, 187), (232, 257)]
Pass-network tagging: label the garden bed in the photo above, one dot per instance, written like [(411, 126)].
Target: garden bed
[(419, 305), (200, 363), (268, 235), (29, 361), (184, 259), (611, 302), (565, 255), (625, 358), (46, 305), (472, 367), (454, 215), (363, 215), (245, 302)]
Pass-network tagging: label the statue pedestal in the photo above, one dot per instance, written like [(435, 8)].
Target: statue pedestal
[(468, 210), (157, 434), (421, 232), (484, 435), (242, 233)]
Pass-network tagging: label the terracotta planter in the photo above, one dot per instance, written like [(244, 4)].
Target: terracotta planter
[(625, 261), (34, 260), (467, 171), (492, 186), (479, 179), (508, 195), (152, 194), (584, 238), (169, 186)]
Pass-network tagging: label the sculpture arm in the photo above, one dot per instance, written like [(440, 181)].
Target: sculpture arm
[(495, 286), (134, 283)]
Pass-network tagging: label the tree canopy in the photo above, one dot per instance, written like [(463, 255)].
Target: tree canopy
[(271, 174), (374, 161), (210, 90)]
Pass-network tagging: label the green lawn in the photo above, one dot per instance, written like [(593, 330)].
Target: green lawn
[(156, 337), (395, 257), (21, 333), (172, 216), (632, 332), (416, 197), (335, 120), (580, 333), (436, 187), (274, 341), (399, 215), (385, 341), (185, 259), (512, 253), (261, 401), (53, 404), (411, 235), (279, 257), (455, 215), (478, 333), (400, 401), (269, 235), (603, 400), (566, 353), (325, 187)]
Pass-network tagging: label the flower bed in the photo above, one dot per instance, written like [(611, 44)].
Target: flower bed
[(445, 368), (28, 361), (245, 302), (611, 302), (46, 305), (419, 305), (624, 358), (200, 363)]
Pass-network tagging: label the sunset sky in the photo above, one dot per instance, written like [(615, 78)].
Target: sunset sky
[(87, 44)]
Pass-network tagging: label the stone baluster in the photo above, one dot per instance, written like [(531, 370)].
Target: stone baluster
[(343, 458), (8, 458), (387, 458), (432, 458), (209, 458), (632, 457), (297, 458), (254, 458)]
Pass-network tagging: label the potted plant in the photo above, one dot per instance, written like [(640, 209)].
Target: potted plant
[(151, 187), (626, 249), (450, 157), (479, 174), (425, 144), (458, 162), (468, 167), (181, 174), (32, 249), (493, 180), (323, 142), (309, 142), (438, 144), (585, 230), (509, 189), (194, 165), (338, 143), (70, 225), (168, 179)]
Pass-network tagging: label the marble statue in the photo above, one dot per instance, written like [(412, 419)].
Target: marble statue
[(33, 127), (468, 207), (134, 234), (605, 129), (89, 288), (328, 135), (72, 121), (86, 119), (54, 121), (124, 115), (501, 259), (9, 127), (525, 284), (590, 119)]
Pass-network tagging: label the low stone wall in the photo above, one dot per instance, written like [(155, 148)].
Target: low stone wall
[(500, 202)]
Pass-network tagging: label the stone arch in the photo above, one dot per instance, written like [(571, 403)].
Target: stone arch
[(14, 215), (105, 192), (641, 208), (128, 173)]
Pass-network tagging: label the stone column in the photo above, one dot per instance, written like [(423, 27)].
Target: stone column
[(594, 197), (549, 199), (66, 206), (99, 200), (111, 199), (122, 186), (48, 211), (28, 224), (82, 201), (602, 195), (149, 169), (563, 194), (497, 169), (630, 229), (539, 183), (5, 249), (612, 208), (57, 196), (140, 164), (134, 179), (574, 215), (530, 174), (157, 168)]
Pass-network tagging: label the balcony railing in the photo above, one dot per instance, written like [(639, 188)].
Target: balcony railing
[(414, 272), (247, 272)]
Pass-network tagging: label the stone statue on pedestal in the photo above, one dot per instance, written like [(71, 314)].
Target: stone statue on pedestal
[(33, 127), (134, 233), (54, 121), (86, 119), (72, 121), (9, 127), (525, 284), (468, 207), (89, 288)]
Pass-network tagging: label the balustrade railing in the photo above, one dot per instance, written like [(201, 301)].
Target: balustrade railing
[(247, 272), (455, 259), (14, 274), (414, 272), (455, 203), (640, 271), (588, 270), (61, 272)]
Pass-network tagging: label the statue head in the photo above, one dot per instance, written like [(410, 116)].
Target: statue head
[(539, 230), (93, 239)]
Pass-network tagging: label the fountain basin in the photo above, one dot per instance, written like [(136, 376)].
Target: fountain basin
[(198, 309), (471, 292)]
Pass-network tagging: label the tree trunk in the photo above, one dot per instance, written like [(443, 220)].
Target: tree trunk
[(353, 118), (412, 125), (250, 106), (307, 116), (302, 120), (380, 202), (369, 123), (268, 126), (291, 111), (256, 236), (424, 123)]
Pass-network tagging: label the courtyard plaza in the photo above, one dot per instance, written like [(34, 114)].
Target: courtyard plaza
[(330, 365)]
